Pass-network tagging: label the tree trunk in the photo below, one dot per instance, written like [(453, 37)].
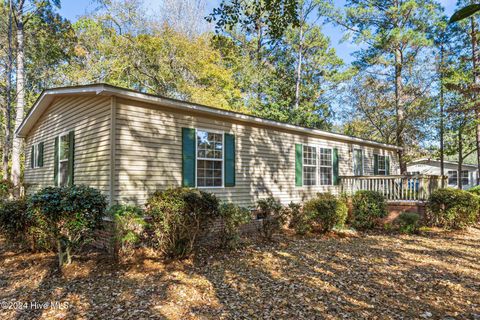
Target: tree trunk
[(400, 112), (460, 158), (7, 112), (17, 142), (299, 66), (476, 79), (442, 101)]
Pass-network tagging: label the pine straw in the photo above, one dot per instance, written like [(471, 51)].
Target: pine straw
[(374, 276)]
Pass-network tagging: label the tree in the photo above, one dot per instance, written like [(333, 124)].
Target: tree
[(22, 14), (394, 35)]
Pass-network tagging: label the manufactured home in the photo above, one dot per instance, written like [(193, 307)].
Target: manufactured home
[(468, 174), (129, 144)]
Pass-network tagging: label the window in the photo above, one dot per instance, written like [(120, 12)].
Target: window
[(326, 166), (36, 161), (63, 159), (357, 162), (452, 177), (209, 159), (465, 177), (309, 166), (382, 165)]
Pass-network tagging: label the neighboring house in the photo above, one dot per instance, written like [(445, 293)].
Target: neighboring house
[(129, 144), (468, 174)]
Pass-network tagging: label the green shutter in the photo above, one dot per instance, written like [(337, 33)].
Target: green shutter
[(375, 164), (298, 165), (336, 178), (387, 165), (32, 155), (71, 158), (40, 154), (55, 163), (188, 157), (229, 160)]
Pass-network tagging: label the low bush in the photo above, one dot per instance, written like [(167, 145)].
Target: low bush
[(177, 217), (409, 222), (452, 208), (129, 227), (233, 217), (368, 207), (273, 215), (475, 190), (15, 220), (327, 211), (299, 221), (69, 216)]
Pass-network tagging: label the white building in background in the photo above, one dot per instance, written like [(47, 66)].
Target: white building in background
[(468, 174)]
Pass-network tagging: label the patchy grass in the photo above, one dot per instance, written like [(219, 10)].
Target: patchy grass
[(435, 275)]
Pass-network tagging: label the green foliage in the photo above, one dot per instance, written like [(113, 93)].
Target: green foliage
[(368, 207), (298, 220), (129, 226), (409, 222), (475, 190), (233, 217), (270, 210), (326, 210), (452, 208), (15, 221), (70, 215), (177, 217), (6, 189)]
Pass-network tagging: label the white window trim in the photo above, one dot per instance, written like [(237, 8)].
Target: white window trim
[(317, 167), (210, 159), (384, 160), (320, 165), (448, 178), (36, 151), (363, 162), (60, 161), (468, 177)]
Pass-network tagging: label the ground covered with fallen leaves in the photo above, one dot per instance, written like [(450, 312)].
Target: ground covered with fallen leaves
[(435, 275)]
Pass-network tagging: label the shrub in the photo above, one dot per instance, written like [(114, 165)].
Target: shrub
[(409, 222), (368, 207), (475, 190), (177, 217), (15, 221), (326, 210), (452, 208), (129, 226), (6, 189), (299, 221), (70, 215), (233, 217), (273, 215)]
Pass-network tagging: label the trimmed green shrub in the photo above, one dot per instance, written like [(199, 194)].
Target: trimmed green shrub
[(69, 215), (177, 216), (233, 217), (368, 207), (327, 211), (452, 208), (273, 215), (129, 226), (299, 221), (15, 220), (475, 190), (409, 222)]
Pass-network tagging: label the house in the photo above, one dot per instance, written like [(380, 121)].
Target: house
[(129, 144), (468, 174)]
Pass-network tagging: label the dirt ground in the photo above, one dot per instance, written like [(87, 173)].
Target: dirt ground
[(435, 275)]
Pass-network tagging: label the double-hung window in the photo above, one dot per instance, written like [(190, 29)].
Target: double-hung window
[(309, 166), (382, 165), (209, 159), (63, 159), (357, 162), (452, 177), (326, 166), (36, 155), (465, 178)]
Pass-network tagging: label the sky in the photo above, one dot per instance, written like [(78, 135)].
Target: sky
[(72, 9)]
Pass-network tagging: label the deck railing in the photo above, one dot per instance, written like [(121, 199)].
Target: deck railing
[(399, 187)]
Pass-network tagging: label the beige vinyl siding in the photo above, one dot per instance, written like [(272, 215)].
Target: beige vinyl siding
[(89, 117), (149, 155)]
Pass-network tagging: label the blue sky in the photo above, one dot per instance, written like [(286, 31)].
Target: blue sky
[(72, 9)]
